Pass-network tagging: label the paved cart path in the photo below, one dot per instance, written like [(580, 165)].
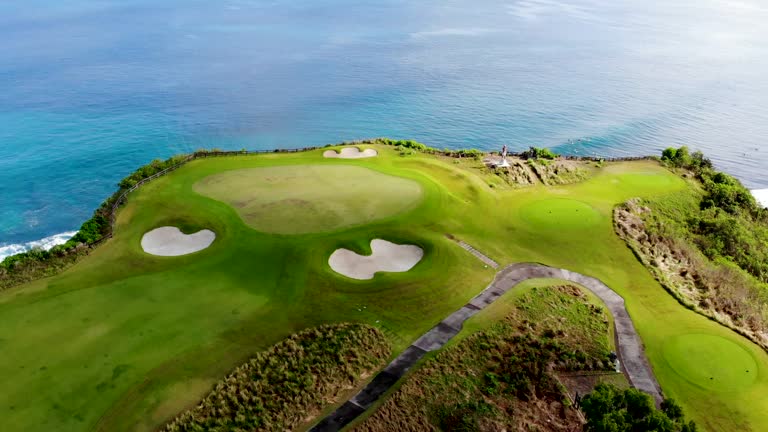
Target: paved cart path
[(630, 347)]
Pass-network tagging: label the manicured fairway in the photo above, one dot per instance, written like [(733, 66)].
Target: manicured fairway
[(125, 340), (560, 213), (303, 199), (711, 362)]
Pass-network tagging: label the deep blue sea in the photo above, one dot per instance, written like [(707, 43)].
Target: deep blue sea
[(89, 90)]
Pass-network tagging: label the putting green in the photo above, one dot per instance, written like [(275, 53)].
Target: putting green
[(300, 199), (560, 213), (711, 362)]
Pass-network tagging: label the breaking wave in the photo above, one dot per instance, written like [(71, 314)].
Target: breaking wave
[(45, 244)]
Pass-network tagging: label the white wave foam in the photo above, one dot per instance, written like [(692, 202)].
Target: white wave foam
[(44, 244), (761, 195)]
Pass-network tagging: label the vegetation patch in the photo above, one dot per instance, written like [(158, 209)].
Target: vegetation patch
[(609, 409), (503, 377), (299, 199), (717, 290), (516, 174), (707, 245), (730, 223), (287, 385), (539, 153), (558, 172)]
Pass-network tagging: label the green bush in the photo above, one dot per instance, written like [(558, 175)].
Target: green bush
[(608, 409), (540, 153)]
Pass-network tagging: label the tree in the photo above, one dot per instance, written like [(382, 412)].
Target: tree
[(680, 157), (672, 409), (609, 409)]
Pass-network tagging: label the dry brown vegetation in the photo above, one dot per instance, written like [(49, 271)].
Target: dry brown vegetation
[(517, 174), (717, 290), (522, 172), (503, 378), (558, 172), (287, 385)]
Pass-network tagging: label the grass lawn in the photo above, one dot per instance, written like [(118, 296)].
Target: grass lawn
[(124, 340), (300, 199)]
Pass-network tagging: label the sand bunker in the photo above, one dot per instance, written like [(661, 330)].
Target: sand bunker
[(761, 195), (170, 241), (385, 257), (350, 153)]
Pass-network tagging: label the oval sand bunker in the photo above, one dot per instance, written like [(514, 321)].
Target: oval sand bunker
[(385, 257), (350, 153), (170, 241)]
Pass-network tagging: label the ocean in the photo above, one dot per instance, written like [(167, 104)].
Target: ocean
[(90, 90)]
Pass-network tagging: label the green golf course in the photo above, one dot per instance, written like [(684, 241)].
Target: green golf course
[(124, 340)]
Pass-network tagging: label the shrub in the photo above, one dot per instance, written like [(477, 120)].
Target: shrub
[(277, 389), (539, 153), (608, 409)]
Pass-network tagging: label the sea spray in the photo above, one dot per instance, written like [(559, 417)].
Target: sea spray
[(761, 195)]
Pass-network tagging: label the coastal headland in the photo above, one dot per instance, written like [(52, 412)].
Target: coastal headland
[(114, 338)]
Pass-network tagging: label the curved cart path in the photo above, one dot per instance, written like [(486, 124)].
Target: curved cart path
[(630, 347)]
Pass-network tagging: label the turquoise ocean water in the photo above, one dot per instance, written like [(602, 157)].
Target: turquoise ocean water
[(89, 90)]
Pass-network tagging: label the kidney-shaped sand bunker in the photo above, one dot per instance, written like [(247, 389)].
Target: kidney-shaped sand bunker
[(385, 257), (170, 241)]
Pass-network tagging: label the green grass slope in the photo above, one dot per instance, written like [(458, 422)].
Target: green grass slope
[(125, 341)]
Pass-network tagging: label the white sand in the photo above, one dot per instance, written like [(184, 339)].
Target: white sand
[(350, 153), (170, 241), (761, 195), (385, 257)]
